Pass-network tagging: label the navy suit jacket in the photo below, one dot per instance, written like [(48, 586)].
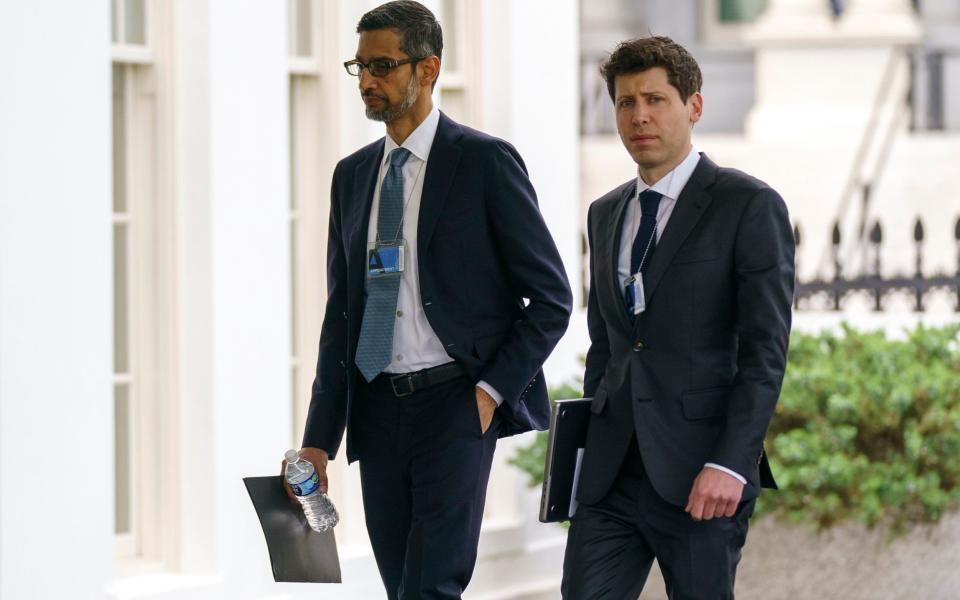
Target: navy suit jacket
[(491, 280), (697, 375)]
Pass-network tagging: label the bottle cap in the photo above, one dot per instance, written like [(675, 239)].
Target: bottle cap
[(292, 456)]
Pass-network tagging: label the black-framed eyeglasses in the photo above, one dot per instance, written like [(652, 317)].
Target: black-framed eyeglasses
[(378, 67)]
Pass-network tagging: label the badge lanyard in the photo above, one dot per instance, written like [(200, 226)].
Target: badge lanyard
[(406, 203), (633, 289), (388, 257)]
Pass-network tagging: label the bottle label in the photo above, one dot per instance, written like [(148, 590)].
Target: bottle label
[(307, 486)]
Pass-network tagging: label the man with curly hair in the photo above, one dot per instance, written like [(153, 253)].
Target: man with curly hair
[(691, 283)]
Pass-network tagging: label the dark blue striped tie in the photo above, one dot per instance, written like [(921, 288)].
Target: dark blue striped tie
[(379, 316)]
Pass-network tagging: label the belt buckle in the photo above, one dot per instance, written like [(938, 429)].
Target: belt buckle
[(393, 384)]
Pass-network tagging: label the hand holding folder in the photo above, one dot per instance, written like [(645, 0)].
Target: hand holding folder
[(297, 552), (568, 436)]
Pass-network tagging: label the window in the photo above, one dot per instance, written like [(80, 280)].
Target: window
[(142, 289), (306, 188), (725, 22), (740, 11), (130, 199), (935, 92), (123, 378), (455, 92), (129, 30), (303, 36)]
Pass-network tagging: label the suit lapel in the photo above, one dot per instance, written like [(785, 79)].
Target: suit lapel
[(612, 243), (365, 179), (441, 168), (691, 204)]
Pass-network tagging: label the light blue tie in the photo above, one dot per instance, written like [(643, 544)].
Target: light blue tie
[(376, 332)]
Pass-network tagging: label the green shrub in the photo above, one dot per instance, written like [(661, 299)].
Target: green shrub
[(867, 430)]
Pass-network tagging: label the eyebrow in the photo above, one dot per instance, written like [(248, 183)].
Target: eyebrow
[(643, 94)]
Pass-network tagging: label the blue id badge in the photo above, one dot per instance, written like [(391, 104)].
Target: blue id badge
[(385, 258), (633, 291)]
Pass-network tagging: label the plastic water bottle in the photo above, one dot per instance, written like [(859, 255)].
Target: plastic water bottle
[(303, 479)]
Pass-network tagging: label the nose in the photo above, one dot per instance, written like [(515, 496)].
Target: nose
[(366, 80), (640, 115)]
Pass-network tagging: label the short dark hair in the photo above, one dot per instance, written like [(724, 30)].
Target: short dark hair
[(641, 54), (420, 33)]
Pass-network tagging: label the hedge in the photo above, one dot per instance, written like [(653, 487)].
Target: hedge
[(867, 430)]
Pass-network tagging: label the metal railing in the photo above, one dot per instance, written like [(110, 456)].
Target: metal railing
[(871, 280)]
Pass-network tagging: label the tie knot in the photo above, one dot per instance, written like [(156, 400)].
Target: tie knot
[(649, 202), (398, 156)]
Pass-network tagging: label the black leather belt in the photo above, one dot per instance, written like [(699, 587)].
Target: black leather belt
[(405, 384)]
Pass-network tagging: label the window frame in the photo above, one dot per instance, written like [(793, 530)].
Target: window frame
[(152, 544), (308, 65), (121, 50), (462, 81)]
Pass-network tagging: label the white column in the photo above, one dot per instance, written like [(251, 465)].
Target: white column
[(56, 360), (191, 91), (250, 273)]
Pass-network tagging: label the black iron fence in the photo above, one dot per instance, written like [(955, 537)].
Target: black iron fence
[(871, 281)]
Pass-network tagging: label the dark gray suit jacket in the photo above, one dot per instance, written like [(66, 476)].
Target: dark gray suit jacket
[(697, 375)]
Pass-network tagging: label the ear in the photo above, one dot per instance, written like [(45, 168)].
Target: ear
[(428, 70), (695, 103)]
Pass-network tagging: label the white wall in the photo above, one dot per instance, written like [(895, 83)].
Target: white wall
[(192, 150), (56, 410), (228, 145)]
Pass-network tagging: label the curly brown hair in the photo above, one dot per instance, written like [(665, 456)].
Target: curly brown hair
[(641, 54)]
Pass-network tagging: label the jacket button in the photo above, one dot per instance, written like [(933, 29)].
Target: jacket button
[(637, 347)]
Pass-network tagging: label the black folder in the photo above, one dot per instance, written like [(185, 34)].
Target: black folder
[(297, 552), (568, 435)]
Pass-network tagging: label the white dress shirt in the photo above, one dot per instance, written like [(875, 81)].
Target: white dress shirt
[(415, 344), (669, 187)]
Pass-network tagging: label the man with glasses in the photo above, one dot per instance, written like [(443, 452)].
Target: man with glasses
[(445, 295)]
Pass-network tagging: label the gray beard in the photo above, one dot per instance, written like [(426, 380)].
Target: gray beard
[(392, 113)]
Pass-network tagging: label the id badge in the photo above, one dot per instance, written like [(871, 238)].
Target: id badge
[(385, 258), (639, 298), (636, 302)]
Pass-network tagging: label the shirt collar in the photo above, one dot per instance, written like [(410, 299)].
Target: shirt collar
[(420, 141), (671, 184)]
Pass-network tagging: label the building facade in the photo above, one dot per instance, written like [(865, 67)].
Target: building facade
[(164, 197), (164, 168)]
